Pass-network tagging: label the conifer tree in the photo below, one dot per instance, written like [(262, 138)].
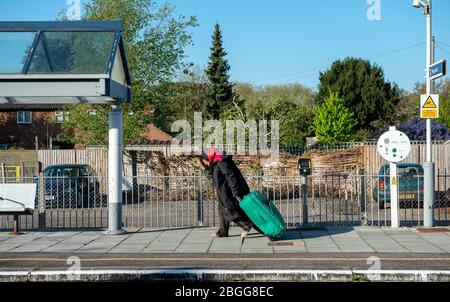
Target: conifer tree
[(220, 91)]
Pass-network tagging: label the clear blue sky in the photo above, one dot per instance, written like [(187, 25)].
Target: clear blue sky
[(285, 41)]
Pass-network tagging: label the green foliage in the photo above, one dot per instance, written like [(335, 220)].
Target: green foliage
[(92, 130), (220, 90), (409, 106), (155, 42), (444, 92), (290, 104), (363, 88), (295, 122), (333, 121)]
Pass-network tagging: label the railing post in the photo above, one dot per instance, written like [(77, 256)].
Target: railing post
[(200, 202), (305, 200), (346, 198), (3, 172), (41, 202), (362, 198)]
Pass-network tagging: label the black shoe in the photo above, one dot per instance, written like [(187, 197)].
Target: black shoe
[(218, 235)]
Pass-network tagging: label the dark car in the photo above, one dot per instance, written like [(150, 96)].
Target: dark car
[(71, 186), (410, 185)]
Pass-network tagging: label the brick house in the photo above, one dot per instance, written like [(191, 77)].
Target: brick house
[(24, 125)]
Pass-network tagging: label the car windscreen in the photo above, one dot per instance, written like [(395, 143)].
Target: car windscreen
[(405, 171), (63, 172)]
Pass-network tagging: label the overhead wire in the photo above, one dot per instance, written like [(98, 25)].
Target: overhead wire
[(308, 73)]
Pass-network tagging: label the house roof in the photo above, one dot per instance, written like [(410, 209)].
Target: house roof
[(156, 135)]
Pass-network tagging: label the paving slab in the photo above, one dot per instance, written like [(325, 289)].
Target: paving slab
[(169, 246), (171, 237), (312, 242), (291, 235), (31, 248), (401, 231), (44, 241), (440, 241), (4, 237), (20, 239), (257, 251), (314, 234), (192, 248), (144, 238), (110, 238), (255, 243), (421, 247), (64, 234), (128, 248), (225, 251), (101, 247), (199, 240), (381, 246), (323, 249), (370, 229), (79, 240), (218, 247), (6, 247), (406, 238), (289, 249), (358, 248), (341, 229), (63, 248)]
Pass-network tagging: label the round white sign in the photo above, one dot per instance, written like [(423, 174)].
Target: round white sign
[(394, 146)]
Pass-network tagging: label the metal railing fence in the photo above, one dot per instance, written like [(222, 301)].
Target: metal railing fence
[(186, 201)]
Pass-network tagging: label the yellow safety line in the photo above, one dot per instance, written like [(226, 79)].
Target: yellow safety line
[(223, 259)]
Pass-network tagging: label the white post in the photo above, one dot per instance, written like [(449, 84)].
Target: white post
[(394, 195), (429, 165), (115, 172)]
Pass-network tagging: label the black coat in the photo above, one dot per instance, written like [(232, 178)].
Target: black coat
[(229, 183)]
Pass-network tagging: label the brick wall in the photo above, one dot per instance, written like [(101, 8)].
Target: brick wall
[(23, 135)]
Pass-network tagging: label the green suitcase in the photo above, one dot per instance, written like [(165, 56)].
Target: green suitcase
[(264, 214)]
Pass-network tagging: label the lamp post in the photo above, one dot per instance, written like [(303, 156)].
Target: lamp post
[(428, 196)]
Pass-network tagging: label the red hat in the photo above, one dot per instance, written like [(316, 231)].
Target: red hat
[(214, 155)]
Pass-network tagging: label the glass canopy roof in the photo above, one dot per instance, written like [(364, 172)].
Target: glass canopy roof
[(63, 62)]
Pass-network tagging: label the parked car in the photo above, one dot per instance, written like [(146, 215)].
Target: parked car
[(71, 186), (410, 185)]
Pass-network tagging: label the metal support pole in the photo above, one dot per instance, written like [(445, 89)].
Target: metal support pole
[(115, 172), (305, 199), (394, 195), (429, 165), (16, 230)]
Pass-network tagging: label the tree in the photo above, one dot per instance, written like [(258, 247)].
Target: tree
[(443, 88), (155, 40), (333, 121), (292, 105), (408, 107), (220, 91), (363, 88)]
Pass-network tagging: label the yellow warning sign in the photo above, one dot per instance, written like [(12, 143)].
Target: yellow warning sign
[(429, 104), (429, 114), (394, 181)]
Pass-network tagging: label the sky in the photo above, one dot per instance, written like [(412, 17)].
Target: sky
[(291, 41)]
